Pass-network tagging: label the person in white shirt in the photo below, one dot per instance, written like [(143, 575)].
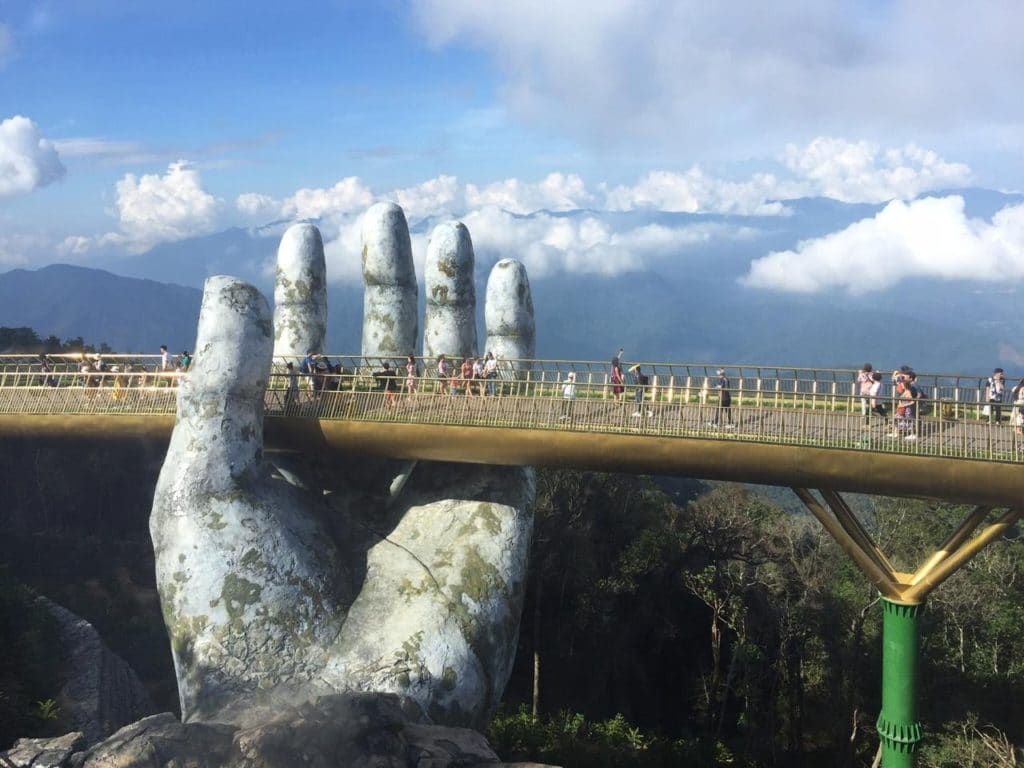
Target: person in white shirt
[(568, 395), (490, 373)]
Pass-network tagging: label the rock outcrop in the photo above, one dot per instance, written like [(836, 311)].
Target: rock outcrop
[(43, 753), (337, 731), (99, 692)]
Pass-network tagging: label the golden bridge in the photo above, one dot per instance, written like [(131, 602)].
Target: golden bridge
[(788, 426), (798, 427)]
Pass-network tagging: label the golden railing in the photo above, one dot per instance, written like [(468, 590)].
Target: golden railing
[(785, 406)]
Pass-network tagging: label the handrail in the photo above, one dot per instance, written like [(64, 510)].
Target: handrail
[(530, 394)]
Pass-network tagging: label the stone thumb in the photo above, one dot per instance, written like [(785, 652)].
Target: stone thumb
[(221, 399)]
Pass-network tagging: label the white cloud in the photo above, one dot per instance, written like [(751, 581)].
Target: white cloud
[(696, 192), (258, 207), (926, 238), (863, 172), (153, 209), (556, 192), (545, 243), (346, 196), (27, 160), (75, 245), (435, 197), (583, 244), (854, 172), (694, 77)]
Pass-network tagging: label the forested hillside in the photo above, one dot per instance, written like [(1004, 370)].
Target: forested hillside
[(709, 627)]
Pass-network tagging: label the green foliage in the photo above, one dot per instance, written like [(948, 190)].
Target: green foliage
[(746, 626), (569, 739), (46, 710), (968, 744), (25, 340), (29, 675)]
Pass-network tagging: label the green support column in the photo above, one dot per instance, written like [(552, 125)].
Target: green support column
[(898, 725)]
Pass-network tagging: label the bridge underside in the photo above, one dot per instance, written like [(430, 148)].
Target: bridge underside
[(962, 481)]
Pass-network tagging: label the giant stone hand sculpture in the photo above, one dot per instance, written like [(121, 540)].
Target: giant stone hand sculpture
[(274, 593)]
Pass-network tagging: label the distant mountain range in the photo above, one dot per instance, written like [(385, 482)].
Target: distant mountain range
[(130, 315), (690, 311)]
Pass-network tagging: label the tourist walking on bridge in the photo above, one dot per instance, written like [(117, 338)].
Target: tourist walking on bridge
[(1017, 414), (568, 395), (994, 395), (386, 381), (865, 378), (412, 373), (907, 395), (618, 380), (642, 381), (877, 405), (490, 373), (292, 394), (443, 385), (724, 401)]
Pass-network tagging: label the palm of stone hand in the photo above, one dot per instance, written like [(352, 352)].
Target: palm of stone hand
[(275, 594)]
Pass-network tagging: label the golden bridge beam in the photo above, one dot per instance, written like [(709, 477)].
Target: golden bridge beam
[(961, 556), (953, 543), (844, 515), (884, 581)]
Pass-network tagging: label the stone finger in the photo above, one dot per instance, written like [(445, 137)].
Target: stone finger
[(390, 299), (249, 582), (508, 314), (449, 325), (300, 293)]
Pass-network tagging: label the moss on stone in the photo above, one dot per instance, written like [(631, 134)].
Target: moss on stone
[(238, 593), (215, 521), (448, 679), (252, 559), (412, 646)]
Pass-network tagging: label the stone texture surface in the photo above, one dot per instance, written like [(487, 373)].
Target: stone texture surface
[(337, 731), (449, 324), (161, 741), (248, 578), (437, 618), (42, 753), (508, 313), (390, 296), (99, 692), (300, 293)]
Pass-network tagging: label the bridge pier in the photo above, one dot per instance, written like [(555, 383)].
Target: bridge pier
[(903, 596), (898, 726)]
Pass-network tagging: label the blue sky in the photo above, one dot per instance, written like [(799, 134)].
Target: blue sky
[(126, 125)]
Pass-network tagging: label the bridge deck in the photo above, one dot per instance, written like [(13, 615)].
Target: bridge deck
[(814, 441)]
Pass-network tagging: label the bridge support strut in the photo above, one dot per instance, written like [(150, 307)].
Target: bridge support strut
[(903, 596)]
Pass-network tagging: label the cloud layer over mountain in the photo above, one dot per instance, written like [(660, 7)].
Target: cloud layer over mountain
[(927, 238)]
